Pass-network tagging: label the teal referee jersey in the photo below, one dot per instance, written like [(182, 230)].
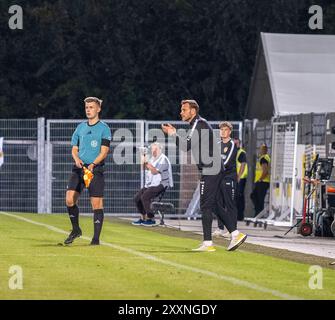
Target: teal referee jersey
[(90, 138)]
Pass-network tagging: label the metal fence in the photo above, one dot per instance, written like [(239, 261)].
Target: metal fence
[(37, 161), (121, 181), (255, 133), (185, 174), (38, 164), (21, 175), (313, 136), (283, 174)]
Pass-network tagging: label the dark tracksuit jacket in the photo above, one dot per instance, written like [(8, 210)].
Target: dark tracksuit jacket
[(201, 141)]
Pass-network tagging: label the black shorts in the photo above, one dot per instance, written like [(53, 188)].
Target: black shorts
[(97, 185)]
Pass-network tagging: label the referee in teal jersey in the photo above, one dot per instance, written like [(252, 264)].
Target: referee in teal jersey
[(90, 145)]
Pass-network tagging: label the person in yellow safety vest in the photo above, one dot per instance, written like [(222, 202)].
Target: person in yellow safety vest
[(262, 179), (242, 174)]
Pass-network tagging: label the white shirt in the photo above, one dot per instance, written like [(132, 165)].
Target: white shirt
[(164, 177)]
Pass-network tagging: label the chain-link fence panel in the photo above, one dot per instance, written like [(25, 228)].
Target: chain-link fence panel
[(283, 207), (20, 179), (38, 163), (122, 178), (185, 172)]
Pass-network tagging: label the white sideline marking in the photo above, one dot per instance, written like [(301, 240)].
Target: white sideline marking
[(234, 281), (49, 255)]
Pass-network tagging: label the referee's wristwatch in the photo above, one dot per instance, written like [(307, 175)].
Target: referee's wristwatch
[(94, 165)]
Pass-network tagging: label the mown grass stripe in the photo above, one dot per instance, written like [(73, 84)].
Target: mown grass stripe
[(232, 280)]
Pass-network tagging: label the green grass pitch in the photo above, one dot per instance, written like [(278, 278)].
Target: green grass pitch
[(140, 263)]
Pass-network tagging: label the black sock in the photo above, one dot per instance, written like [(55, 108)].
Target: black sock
[(98, 219), (74, 216)]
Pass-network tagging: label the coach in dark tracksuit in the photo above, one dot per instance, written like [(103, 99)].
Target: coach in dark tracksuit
[(200, 140)]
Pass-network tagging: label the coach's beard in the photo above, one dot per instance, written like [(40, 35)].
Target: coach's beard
[(188, 119)]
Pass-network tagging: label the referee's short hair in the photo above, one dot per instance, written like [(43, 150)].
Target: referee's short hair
[(93, 99), (193, 104), (226, 124)]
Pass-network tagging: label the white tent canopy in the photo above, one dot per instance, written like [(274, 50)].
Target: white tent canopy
[(301, 70)]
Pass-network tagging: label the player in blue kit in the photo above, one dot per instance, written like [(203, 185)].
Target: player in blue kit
[(90, 146)]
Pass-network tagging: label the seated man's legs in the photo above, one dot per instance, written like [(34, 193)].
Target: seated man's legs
[(146, 199), (138, 201), (139, 206)]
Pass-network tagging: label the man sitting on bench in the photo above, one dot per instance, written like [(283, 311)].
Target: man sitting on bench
[(158, 177)]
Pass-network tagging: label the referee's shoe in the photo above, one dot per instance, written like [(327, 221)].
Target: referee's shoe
[(73, 235)]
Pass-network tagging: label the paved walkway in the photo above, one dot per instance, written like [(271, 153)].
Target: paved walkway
[(272, 237)]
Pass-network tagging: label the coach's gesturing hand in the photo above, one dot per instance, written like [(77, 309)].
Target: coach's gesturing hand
[(168, 129)]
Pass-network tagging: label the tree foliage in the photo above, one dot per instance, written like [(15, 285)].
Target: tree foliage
[(140, 57)]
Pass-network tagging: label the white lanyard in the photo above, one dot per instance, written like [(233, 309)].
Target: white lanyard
[(189, 137)]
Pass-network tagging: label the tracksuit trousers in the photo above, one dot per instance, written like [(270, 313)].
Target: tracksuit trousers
[(217, 195), (226, 204), (209, 185)]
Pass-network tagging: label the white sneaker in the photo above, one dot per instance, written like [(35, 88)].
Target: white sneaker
[(205, 248), (221, 233), (237, 241), (217, 232), (226, 235)]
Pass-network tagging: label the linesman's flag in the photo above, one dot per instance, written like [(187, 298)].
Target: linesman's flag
[(88, 176)]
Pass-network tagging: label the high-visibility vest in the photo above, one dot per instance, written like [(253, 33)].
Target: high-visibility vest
[(259, 170), (238, 165)]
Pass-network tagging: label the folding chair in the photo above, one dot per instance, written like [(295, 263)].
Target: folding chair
[(161, 208)]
